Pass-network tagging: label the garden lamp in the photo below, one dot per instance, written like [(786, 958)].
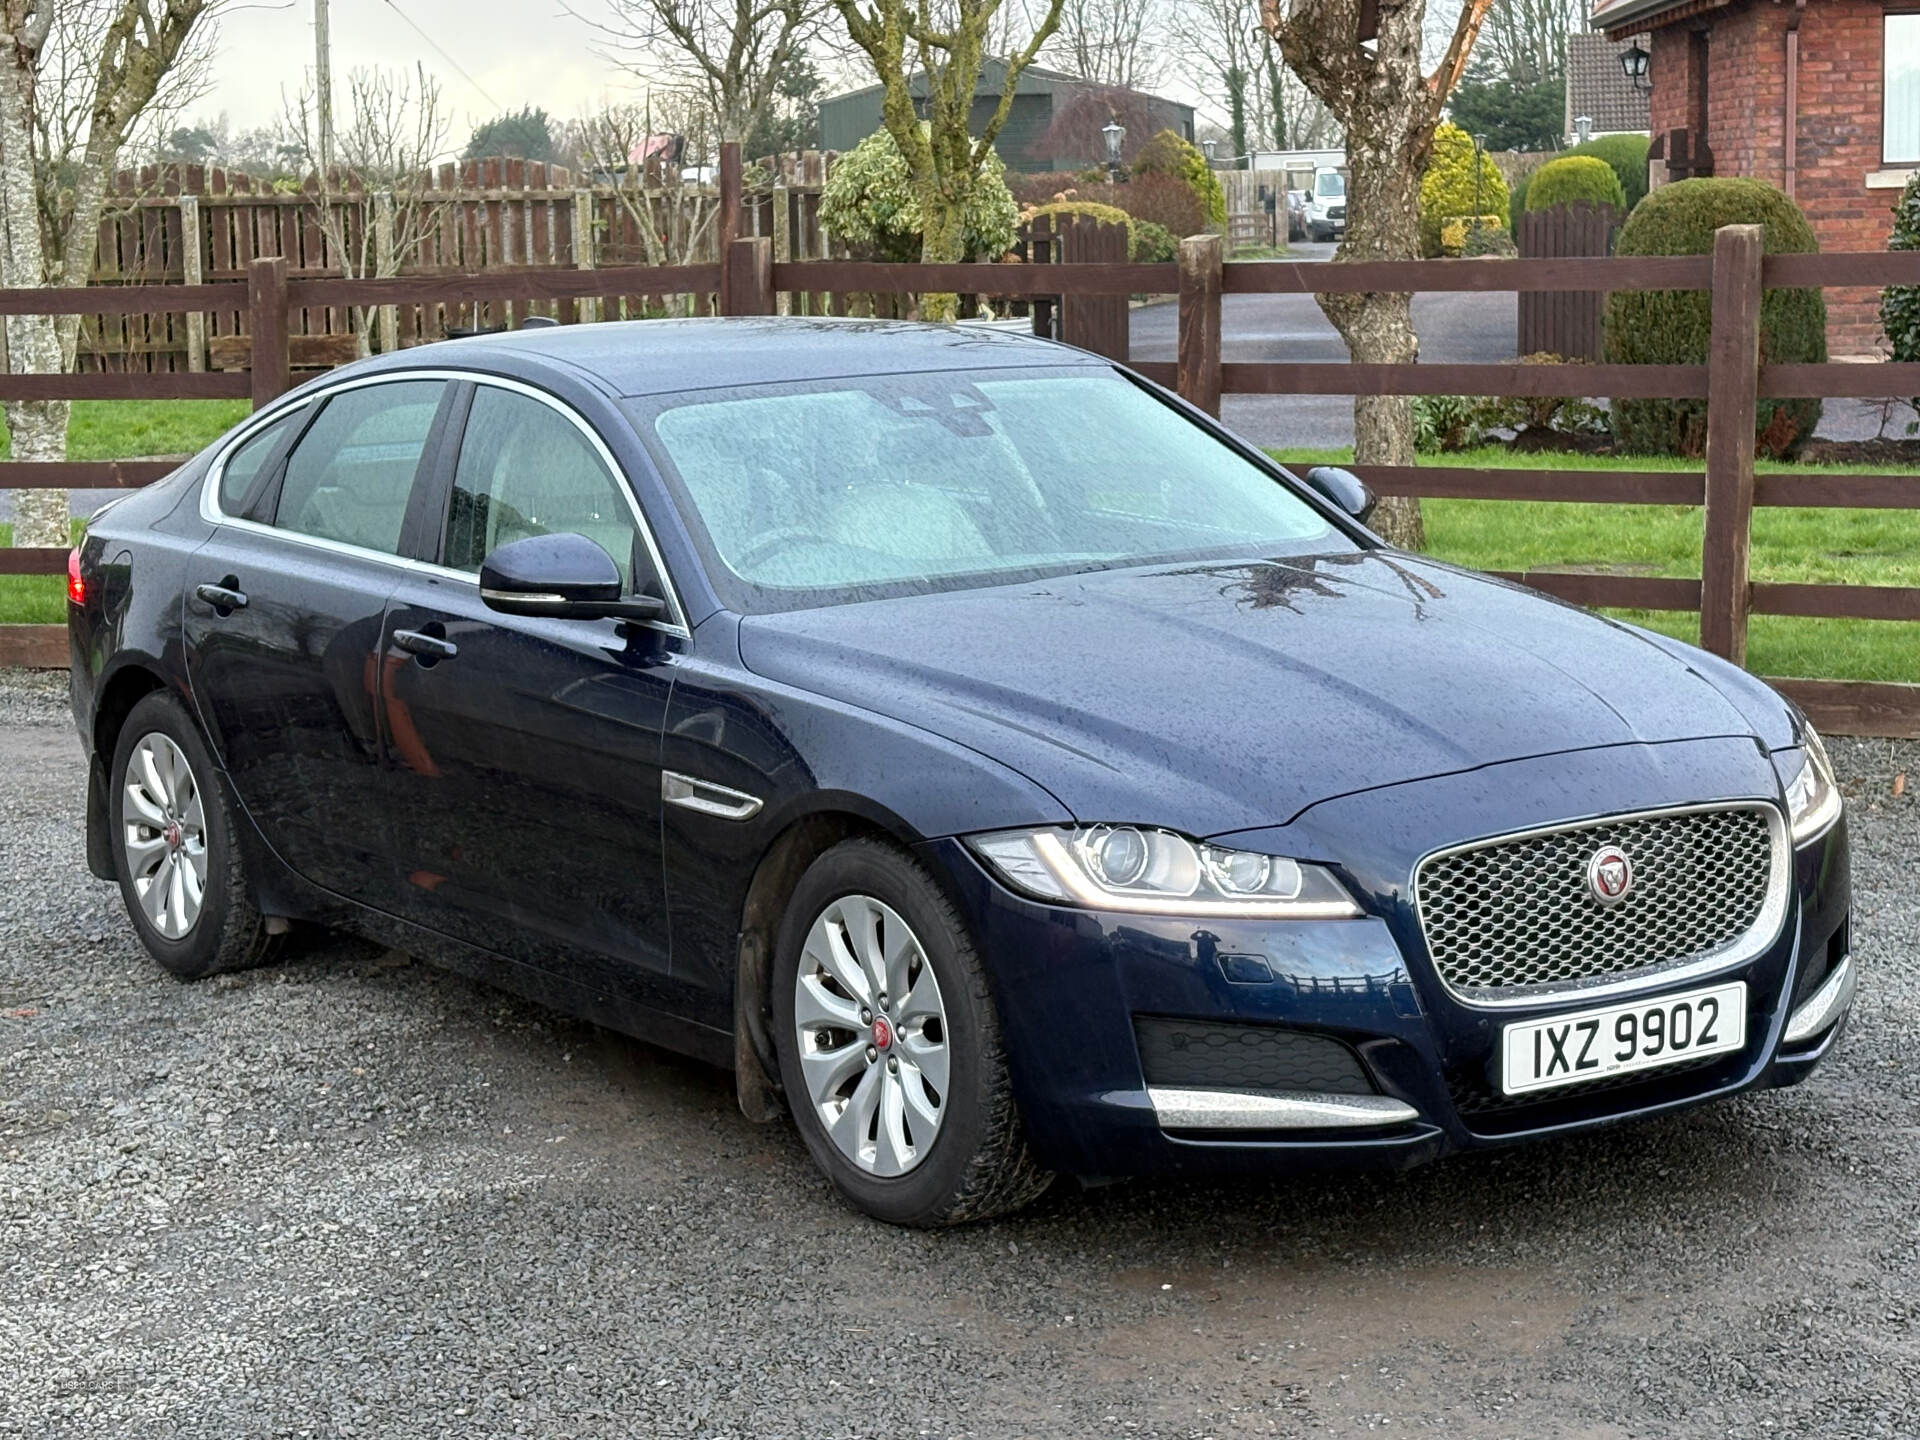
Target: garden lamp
[(1479, 153), (1582, 128), (1634, 61), (1206, 148), (1115, 134)]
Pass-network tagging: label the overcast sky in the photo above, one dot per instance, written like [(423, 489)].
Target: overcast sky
[(519, 52)]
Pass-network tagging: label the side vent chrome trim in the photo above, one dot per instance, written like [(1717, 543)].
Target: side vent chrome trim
[(1822, 1008), (706, 798)]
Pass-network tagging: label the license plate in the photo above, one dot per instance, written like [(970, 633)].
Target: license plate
[(1620, 1039)]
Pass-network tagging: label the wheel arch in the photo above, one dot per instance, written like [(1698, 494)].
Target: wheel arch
[(129, 684), (804, 840)]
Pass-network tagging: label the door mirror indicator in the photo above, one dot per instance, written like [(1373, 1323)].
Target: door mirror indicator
[(564, 576), (1345, 489)]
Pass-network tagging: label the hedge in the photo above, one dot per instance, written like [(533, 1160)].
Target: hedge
[(1627, 155), (1672, 327), (1573, 178), (1900, 304), (1168, 154), (1448, 188)]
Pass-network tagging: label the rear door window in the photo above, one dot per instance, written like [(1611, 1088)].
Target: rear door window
[(247, 466), (350, 476)]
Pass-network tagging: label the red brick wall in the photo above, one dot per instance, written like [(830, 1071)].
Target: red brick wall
[(1837, 132)]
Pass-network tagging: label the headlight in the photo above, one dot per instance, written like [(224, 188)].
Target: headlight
[(1813, 798), (1155, 872)]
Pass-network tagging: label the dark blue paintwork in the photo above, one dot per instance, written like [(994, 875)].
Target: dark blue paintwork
[(499, 812)]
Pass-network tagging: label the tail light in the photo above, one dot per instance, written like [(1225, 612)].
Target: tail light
[(76, 586)]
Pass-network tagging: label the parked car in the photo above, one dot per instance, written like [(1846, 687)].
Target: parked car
[(1296, 215), (1326, 217), (992, 759)]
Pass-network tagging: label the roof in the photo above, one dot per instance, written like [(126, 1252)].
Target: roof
[(1599, 88), (656, 357), (1613, 16), (1034, 80)]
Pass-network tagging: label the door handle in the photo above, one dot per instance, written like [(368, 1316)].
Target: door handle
[(429, 648), (221, 597)]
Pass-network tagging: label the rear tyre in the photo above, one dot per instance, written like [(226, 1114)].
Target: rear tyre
[(176, 847), (890, 1047)]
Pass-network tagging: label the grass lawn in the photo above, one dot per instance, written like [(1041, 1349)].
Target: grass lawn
[(1856, 547), (112, 430)]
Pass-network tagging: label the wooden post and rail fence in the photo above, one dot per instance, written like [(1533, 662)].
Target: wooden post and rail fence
[(750, 282)]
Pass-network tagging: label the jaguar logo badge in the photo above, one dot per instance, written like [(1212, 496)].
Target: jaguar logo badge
[(1609, 875)]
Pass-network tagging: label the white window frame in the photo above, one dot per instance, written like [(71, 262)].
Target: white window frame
[(1909, 22)]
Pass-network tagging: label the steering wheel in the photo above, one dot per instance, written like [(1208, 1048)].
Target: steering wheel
[(772, 543)]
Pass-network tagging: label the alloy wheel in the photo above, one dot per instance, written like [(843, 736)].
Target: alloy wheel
[(872, 1035), (163, 841)]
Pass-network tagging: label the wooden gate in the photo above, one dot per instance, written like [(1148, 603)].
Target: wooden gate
[(1564, 322), (1093, 322)]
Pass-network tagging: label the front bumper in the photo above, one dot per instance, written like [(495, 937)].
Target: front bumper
[(1073, 987)]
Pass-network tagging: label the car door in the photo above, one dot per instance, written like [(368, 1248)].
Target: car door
[(282, 621), (526, 750)]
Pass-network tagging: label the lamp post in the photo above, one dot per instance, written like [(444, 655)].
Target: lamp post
[(1582, 129), (1634, 61), (1206, 149), (1479, 159), (1115, 134)]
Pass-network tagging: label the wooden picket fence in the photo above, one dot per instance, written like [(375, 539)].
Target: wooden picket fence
[(752, 282)]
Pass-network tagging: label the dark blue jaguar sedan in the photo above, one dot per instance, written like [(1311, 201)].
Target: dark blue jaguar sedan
[(989, 758)]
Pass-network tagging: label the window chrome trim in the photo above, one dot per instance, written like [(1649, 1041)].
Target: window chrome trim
[(1758, 938), (211, 512)]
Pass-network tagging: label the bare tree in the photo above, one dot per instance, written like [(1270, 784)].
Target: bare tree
[(1219, 46), (76, 78), (377, 203), (943, 155), (676, 222), (1526, 40), (731, 53), (1388, 105), (1111, 42)]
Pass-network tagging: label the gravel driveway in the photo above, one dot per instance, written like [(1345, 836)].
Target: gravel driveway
[(355, 1196)]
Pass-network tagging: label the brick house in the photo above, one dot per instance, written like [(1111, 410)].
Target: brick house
[(1819, 97)]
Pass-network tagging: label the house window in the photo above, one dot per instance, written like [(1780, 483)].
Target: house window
[(1901, 130)]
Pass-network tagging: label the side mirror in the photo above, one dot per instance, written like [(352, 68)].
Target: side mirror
[(1345, 489), (564, 576)]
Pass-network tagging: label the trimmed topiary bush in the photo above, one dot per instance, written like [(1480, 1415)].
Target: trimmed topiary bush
[(1572, 178), (1900, 304), (869, 202), (1672, 327), (1168, 154), (1627, 154), (1449, 188)]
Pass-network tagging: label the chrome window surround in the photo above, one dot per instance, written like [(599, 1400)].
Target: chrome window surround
[(1763, 932), (211, 512)]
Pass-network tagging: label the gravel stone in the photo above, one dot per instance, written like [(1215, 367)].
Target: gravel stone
[(355, 1196)]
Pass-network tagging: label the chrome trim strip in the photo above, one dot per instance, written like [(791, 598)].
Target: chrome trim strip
[(1824, 1007), (211, 512), (707, 798), (1765, 929), (1285, 1110)]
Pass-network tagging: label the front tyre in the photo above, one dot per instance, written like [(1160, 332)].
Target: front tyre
[(176, 847), (890, 1048)]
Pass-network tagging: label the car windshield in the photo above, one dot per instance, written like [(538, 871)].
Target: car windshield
[(1330, 184), (831, 492)]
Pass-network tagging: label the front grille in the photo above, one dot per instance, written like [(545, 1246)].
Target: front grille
[(1210, 1055), (1336, 212), (1513, 914)]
